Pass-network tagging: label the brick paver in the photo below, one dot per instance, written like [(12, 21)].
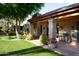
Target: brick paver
[(66, 49), (63, 48)]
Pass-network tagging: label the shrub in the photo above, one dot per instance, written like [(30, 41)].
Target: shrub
[(11, 33), (21, 33), (12, 37), (43, 39), (23, 36), (29, 36), (0, 28)]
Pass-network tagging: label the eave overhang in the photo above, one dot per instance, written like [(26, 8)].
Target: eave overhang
[(56, 14)]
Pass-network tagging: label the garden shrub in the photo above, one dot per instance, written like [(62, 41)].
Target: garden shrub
[(11, 33), (21, 33), (0, 28), (43, 39), (29, 36), (12, 37), (23, 36)]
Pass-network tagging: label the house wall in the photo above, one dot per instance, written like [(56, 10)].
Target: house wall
[(44, 29), (38, 28), (44, 25)]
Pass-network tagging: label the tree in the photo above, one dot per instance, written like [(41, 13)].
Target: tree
[(3, 24), (19, 11)]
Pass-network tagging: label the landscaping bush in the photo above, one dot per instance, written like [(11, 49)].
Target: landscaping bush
[(29, 36), (12, 37), (43, 39), (23, 36), (0, 28), (26, 36), (21, 33), (11, 33)]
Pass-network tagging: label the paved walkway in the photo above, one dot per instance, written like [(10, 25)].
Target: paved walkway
[(63, 48), (36, 42), (66, 49)]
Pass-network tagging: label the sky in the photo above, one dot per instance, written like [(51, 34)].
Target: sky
[(52, 6), (49, 7)]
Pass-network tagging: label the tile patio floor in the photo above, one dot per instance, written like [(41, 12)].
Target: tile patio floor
[(63, 48)]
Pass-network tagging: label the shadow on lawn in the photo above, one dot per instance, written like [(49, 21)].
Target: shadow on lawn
[(28, 51)]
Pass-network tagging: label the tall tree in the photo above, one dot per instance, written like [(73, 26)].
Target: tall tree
[(18, 11)]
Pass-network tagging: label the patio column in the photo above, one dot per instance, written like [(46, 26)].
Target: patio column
[(31, 29), (38, 27), (51, 28)]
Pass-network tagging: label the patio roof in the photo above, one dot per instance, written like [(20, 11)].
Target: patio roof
[(62, 9)]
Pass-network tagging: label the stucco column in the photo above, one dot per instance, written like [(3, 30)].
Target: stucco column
[(31, 28), (52, 28), (37, 29)]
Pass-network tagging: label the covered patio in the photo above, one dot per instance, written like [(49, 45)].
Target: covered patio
[(64, 23), (67, 27), (57, 23)]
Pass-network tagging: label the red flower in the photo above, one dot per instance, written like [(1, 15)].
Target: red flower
[(53, 40)]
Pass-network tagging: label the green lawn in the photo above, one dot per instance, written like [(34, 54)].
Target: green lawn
[(23, 48), (7, 37)]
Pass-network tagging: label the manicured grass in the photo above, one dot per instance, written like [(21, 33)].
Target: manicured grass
[(23, 48), (7, 37)]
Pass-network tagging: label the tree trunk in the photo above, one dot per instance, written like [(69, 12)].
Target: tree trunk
[(8, 26), (16, 29), (20, 21), (19, 26), (8, 23)]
